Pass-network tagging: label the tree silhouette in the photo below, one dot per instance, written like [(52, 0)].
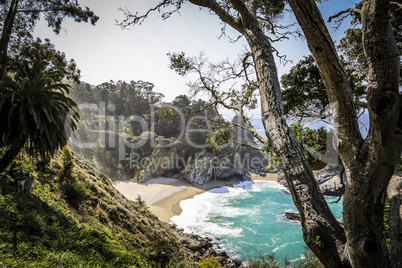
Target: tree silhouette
[(35, 112)]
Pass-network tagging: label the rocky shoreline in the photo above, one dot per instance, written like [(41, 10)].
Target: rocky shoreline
[(197, 248)]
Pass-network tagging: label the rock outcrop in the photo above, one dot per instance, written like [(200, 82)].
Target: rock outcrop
[(328, 180), (292, 216), (197, 248), (194, 165)]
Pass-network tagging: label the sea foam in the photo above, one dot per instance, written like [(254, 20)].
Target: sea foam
[(247, 219)]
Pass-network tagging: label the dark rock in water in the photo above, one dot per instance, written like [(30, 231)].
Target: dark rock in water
[(223, 253), (226, 261), (236, 262), (292, 216)]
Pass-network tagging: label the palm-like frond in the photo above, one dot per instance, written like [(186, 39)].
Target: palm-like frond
[(36, 111)]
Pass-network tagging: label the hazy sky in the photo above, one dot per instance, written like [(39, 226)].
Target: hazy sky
[(105, 51)]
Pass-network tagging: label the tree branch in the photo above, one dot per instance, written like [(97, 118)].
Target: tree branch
[(222, 13), (349, 10), (132, 19), (398, 4)]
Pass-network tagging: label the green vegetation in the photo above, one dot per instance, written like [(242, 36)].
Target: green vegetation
[(272, 261), (304, 95), (313, 141), (99, 228), (35, 108), (210, 262), (17, 44), (157, 123)]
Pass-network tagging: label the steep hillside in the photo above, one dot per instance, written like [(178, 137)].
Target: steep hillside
[(84, 223)]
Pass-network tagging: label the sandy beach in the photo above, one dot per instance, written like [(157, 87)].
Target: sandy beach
[(163, 195)]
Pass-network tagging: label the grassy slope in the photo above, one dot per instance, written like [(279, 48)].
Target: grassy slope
[(92, 227)]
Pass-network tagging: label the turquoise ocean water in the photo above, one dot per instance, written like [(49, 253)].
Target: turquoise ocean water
[(247, 219)]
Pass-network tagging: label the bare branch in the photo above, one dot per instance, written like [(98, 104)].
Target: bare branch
[(282, 58), (250, 146), (253, 130), (349, 10), (222, 13), (363, 104), (132, 19), (398, 4)]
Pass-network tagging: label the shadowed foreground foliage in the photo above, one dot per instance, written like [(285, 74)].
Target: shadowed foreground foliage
[(96, 228)]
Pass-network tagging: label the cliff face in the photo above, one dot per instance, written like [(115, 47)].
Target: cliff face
[(88, 225), (328, 180), (198, 166)]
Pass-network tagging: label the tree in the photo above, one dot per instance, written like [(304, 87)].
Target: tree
[(35, 112), (67, 168), (30, 50), (20, 18), (181, 102), (369, 162), (351, 45), (304, 94)]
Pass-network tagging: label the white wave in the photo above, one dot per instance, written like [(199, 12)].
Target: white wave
[(222, 213), (244, 184), (272, 184), (285, 245), (199, 214)]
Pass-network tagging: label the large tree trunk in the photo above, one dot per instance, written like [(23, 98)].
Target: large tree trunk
[(395, 221), (321, 231), (6, 35), (369, 163)]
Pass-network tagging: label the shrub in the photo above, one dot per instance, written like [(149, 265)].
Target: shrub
[(268, 261), (210, 262), (75, 192), (66, 172)]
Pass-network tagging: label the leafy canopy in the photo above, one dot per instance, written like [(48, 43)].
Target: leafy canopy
[(18, 20), (304, 94)]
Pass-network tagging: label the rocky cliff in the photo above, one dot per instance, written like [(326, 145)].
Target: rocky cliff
[(198, 166), (328, 180)]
